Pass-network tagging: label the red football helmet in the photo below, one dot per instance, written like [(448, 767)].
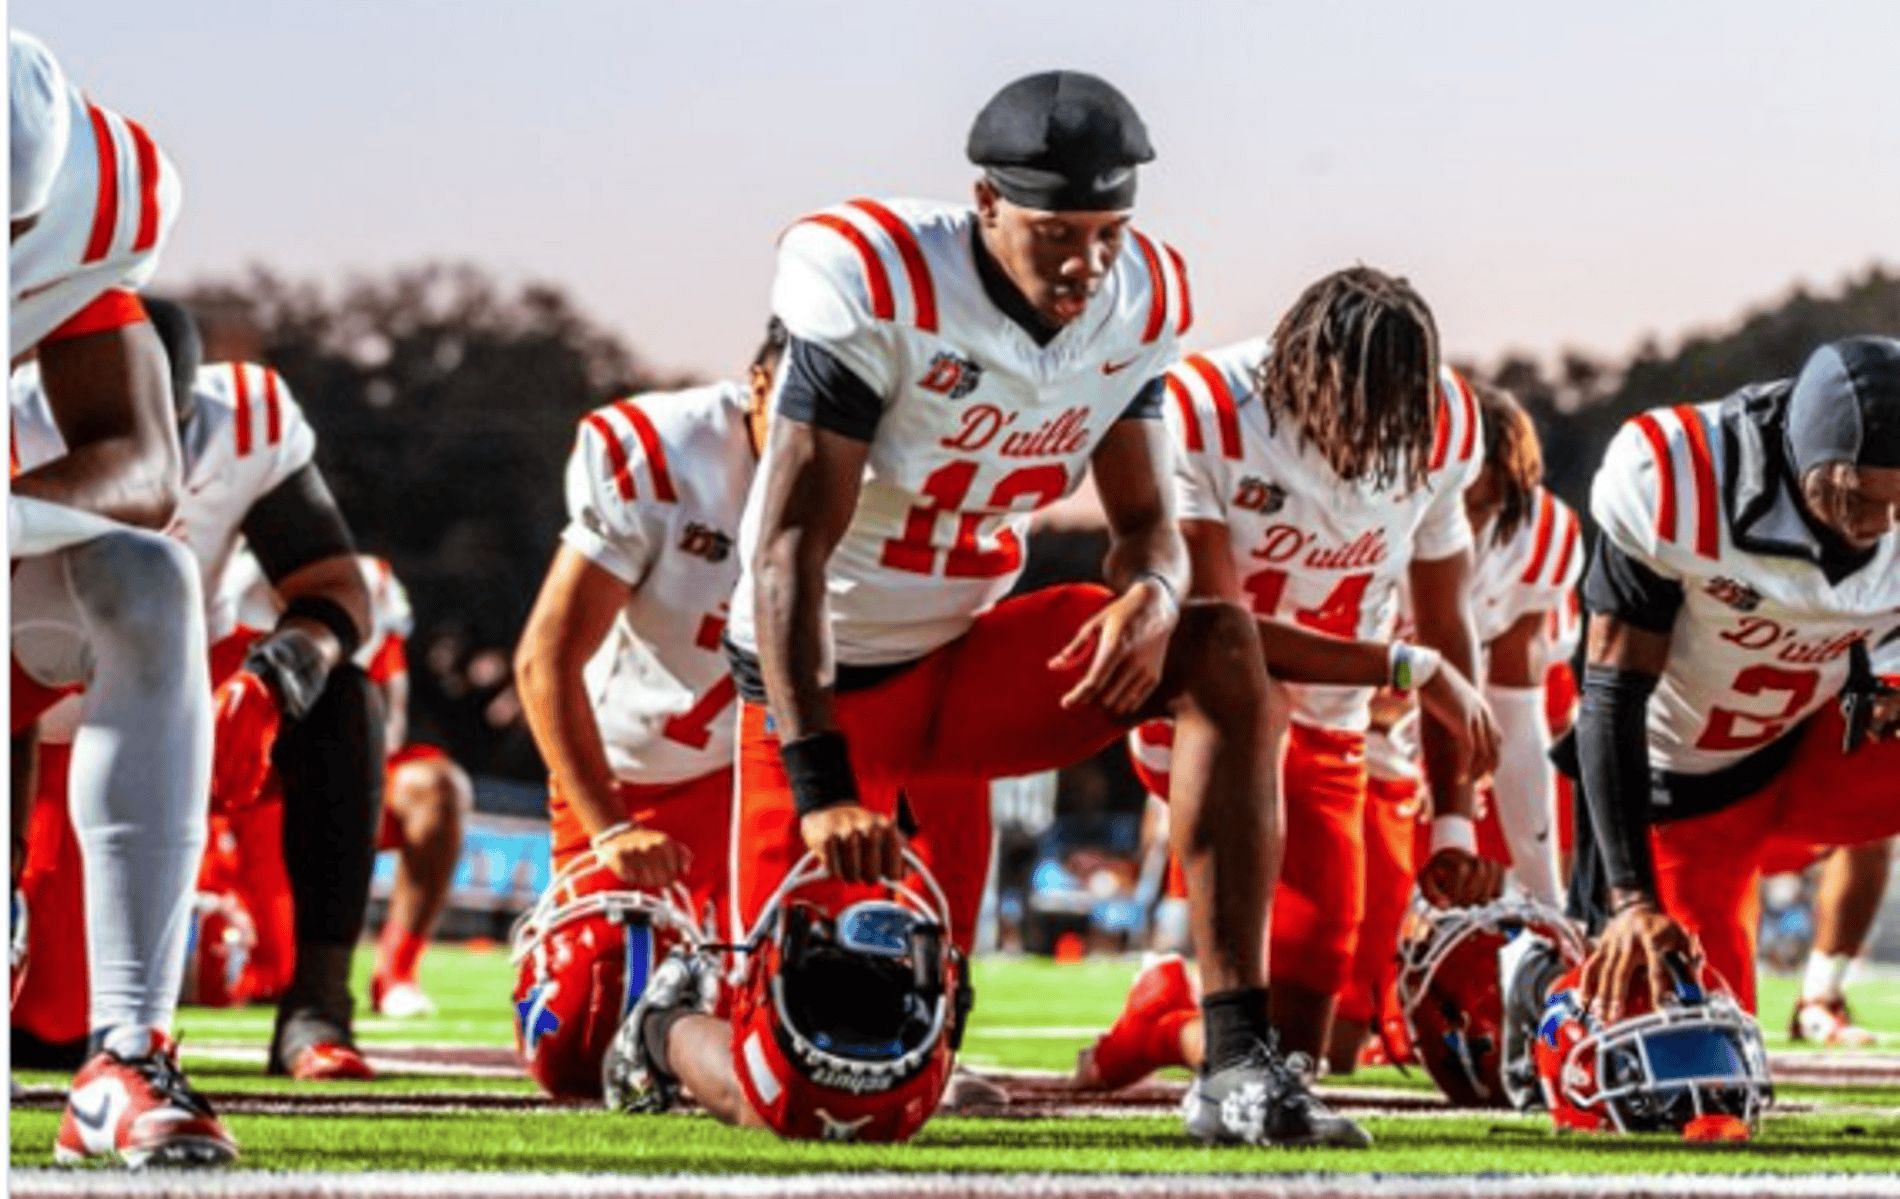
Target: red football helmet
[(217, 948), (1693, 1063), (582, 958), (847, 1021), (1452, 986)]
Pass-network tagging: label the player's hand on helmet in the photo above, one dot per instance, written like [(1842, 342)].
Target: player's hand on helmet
[(1125, 645), (1457, 878), (1632, 952), (245, 721), (644, 857), (1456, 706), (857, 844)]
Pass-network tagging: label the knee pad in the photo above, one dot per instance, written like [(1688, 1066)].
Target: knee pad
[(138, 588)]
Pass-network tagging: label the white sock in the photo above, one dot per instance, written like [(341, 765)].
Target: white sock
[(141, 770), (1825, 977)]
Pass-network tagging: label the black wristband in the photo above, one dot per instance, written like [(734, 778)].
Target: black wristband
[(819, 767), (331, 615)]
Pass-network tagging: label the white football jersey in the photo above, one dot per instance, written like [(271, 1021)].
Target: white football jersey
[(1535, 570), (655, 490), (1761, 641), (980, 425), (1307, 545), (113, 203), (245, 435)]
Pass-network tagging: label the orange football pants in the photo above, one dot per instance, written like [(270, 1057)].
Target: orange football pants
[(1321, 900), (1708, 867), (696, 812), (984, 706), (1391, 818)]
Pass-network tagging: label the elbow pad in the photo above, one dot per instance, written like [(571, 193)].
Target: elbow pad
[(1613, 748)]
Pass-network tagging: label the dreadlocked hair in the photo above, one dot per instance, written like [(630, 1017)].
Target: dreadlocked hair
[(1512, 454), (1354, 367)]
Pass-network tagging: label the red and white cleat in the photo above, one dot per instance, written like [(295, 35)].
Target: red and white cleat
[(140, 1111), (331, 1061), (1827, 1022), (1147, 1035)]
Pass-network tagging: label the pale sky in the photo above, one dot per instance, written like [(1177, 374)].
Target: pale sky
[(1546, 179)]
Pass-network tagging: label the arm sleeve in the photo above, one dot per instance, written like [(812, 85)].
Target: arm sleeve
[(816, 388), (1621, 586), (604, 524), (1525, 788), (1613, 750), (296, 523)]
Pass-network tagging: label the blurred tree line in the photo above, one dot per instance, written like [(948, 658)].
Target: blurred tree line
[(446, 404), (1579, 401)]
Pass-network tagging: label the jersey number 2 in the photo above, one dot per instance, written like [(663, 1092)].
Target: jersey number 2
[(947, 486), (1731, 730)]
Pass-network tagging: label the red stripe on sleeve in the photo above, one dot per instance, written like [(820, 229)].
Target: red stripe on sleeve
[(1471, 417), (923, 292), (1702, 469), (616, 453), (1546, 519), (1665, 476), (243, 402), (273, 409), (1187, 297), (1190, 423), (1224, 409), (1441, 433), (876, 280), (1157, 288), (105, 210), (114, 309), (1573, 533), (147, 155), (655, 452)]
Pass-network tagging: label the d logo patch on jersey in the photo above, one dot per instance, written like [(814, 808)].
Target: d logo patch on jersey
[(951, 376), (1739, 596), (704, 542), (1257, 495)]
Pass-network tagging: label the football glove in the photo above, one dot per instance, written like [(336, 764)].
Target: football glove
[(245, 723)]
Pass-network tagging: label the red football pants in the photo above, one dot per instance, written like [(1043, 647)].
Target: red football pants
[(1321, 900), (1391, 816), (1708, 867), (985, 706), (54, 999)]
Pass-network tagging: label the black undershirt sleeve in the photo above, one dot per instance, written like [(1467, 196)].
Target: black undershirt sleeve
[(820, 390), (296, 524), (1147, 402), (1613, 751), (1618, 585)]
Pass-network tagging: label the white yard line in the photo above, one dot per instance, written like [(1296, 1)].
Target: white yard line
[(29, 1184)]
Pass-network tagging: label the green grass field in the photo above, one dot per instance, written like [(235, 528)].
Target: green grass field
[(1031, 1014)]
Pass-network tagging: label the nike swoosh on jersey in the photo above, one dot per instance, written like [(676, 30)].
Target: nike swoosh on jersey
[(1115, 368)]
